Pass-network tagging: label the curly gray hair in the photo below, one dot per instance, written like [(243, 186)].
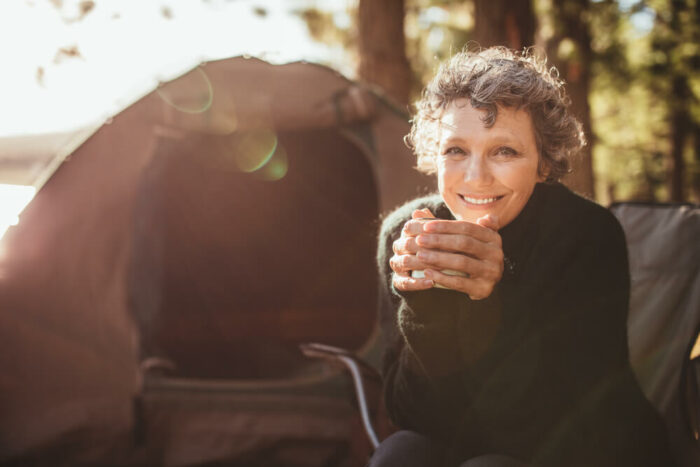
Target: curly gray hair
[(500, 77)]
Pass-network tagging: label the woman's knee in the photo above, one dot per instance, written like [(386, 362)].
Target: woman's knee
[(405, 449)]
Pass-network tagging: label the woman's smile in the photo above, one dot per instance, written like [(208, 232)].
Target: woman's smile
[(477, 202)]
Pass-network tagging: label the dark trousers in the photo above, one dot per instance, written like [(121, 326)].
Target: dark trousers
[(409, 449)]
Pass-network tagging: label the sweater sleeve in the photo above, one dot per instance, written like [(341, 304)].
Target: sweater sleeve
[(426, 365)]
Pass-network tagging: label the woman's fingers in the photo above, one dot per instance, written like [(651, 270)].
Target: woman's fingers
[(460, 243), (434, 245), (476, 269), (463, 246), (415, 226), (408, 283), (405, 263), (479, 232), (477, 289), (405, 246), (422, 214)]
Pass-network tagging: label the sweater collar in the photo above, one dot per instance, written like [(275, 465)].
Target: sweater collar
[(520, 234)]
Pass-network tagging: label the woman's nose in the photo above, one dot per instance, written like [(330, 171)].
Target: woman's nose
[(477, 170)]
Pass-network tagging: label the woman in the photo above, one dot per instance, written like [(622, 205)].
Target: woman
[(508, 312)]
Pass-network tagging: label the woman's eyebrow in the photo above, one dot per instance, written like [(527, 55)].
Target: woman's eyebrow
[(496, 139), (446, 125), (453, 139)]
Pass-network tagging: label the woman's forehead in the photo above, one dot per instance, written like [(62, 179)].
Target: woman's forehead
[(459, 117)]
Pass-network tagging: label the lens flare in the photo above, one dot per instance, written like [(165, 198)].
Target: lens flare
[(191, 94), (252, 150), (276, 168)]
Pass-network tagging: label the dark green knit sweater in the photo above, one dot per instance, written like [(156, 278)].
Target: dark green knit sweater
[(539, 370)]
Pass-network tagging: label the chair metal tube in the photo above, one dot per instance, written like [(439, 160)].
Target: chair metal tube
[(351, 363)]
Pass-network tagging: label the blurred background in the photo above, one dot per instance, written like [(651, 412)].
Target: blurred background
[(631, 68), (183, 220)]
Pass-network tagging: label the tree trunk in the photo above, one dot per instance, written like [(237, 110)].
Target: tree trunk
[(696, 152), (581, 178), (696, 124), (680, 128), (575, 70), (382, 47), (504, 22), (680, 118)]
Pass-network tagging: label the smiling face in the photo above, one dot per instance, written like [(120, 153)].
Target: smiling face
[(486, 170)]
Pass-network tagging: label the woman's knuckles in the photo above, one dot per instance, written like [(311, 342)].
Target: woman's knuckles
[(498, 241), (498, 255), (398, 263), (412, 228), (464, 264), (405, 245), (490, 272), (407, 283), (480, 292), (399, 282), (407, 261)]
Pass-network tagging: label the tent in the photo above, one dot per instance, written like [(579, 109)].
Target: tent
[(210, 227)]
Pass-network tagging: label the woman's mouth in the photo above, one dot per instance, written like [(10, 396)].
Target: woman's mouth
[(479, 201)]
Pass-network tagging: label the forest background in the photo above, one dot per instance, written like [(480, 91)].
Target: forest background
[(631, 69)]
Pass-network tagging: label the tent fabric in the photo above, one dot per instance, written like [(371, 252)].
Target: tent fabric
[(218, 98), (30, 159), (67, 345), (664, 256), (195, 427), (71, 390), (244, 269)]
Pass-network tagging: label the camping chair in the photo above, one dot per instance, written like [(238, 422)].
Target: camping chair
[(664, 320), (663, 324)]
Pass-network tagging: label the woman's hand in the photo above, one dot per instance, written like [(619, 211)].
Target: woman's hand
[(404, 260), (474, 249)]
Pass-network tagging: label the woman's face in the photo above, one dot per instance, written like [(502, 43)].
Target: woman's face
[(486, 170)]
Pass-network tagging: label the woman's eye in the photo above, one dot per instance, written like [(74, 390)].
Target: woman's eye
[(454, 151), (506, 151)]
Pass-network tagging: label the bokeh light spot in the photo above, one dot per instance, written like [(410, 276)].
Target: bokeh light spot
[(192, 93), (253, 149), (276, 168)]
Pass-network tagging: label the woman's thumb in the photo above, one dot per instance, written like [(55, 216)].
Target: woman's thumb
[(490, 221), (421, 213)]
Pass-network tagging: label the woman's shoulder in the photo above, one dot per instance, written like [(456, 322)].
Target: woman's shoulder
[(578, 244), (569, 211)]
